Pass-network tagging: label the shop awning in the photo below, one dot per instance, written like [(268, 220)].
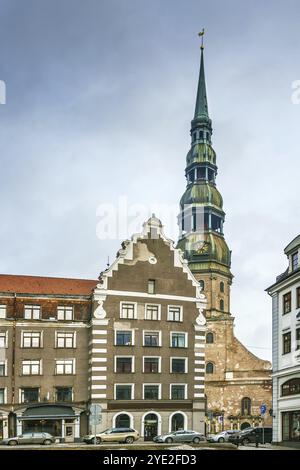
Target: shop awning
[(48, 412)]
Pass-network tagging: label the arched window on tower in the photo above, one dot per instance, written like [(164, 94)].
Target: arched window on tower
[(209, 369), (221, 286), (201, 284), (210, 338), (246, 406), (222, 305)]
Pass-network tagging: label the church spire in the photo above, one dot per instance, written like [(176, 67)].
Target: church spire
[(201, 108)]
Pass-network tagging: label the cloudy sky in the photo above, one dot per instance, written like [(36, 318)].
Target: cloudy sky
[(100, 95)]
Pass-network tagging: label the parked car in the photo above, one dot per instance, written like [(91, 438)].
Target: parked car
[(180, 436), (222, 436), (30, 438), (249, 435), (127, 435)]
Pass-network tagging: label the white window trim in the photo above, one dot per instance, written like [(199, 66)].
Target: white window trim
[(66, 359), (181, 313), (60, 332), (152, 357), (4, 361), (5, 396), (32, 331), (32, 360), (152, 331), (134, 310), (6, 338), (158, 312), (63, 307), (132, 363), (132, 390), (185, 339), (157, 385), (182, 385), (38, 307), (186, 364), (120, 330), (62, 386), (20, 394), (3, 307)]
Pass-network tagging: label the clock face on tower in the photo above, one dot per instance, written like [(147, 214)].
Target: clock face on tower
[(201, 248)]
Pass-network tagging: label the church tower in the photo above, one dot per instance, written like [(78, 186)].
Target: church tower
[(236, 381)]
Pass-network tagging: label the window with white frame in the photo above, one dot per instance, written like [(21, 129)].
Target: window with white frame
[(2, 311), (65, 366), (65, 313), (30, 395), (151, 391), (124, 392), (152, 312), (2, 396), (128, 310), (3, 339), (178, 339), (3, 368), (31, 367), (65, 339), (175, 313), (178, 391), (178, 365), (32, 312), (124, 364), (31, 339), (124, 338), (151, 338), (152, 365)]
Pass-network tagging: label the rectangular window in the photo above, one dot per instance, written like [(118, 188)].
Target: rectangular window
[(151, 338), (152, 312), (124, 365), (295, 261), (65, 313), (151, 365), (2, 311), (32, 312), (3, 339), (298, 338), (2, 396), (30, 395), (31, 367), (124, 392), (2, 368), (178, 392), (298, 297), (31, 339), (287, 303), (286, 343), (65, 367), (178, 365), (64, 394), (151, 286), (178, 340), (65, 339), (151, 392), (128, 310), (174, 313), (124, 338)]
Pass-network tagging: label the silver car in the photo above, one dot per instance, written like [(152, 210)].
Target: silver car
[(222, 436), (180, 436), (29, 438)]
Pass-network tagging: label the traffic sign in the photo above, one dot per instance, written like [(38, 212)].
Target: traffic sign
[(263, 409), (95, 409)]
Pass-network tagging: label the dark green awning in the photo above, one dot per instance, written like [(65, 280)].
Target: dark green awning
[(48, 412)]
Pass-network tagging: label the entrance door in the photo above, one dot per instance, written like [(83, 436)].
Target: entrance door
[(150, 426), (69, 432), (1, 429)]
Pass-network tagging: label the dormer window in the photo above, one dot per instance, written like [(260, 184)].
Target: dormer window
[(295, 261)]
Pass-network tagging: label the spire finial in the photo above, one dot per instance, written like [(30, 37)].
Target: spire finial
[(201, 34)]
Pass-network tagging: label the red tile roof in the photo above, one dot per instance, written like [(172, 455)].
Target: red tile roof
[(45, 285)]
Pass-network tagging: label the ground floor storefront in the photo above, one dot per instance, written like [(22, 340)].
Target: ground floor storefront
[(290, 422), (3, 424)]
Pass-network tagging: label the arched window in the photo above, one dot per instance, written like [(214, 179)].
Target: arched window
[(123, 421), (222, 305), (177, 422), (221, 286), (201, 284), (209, 368), (246, 406), (210, 338), (291, 387)]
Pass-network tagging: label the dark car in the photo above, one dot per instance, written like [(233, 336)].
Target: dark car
[(29, 438), (259, 434)]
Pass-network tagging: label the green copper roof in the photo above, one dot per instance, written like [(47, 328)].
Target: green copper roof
[(202, 193), (206, 247), (201, 152)]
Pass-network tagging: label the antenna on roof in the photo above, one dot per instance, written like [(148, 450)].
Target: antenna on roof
[(107, 264)]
